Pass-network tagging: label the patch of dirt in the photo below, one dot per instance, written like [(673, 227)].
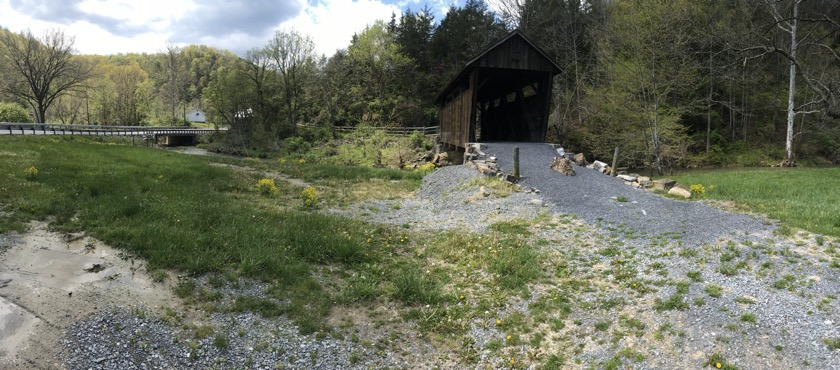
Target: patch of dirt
[(49, 281), (268, 174)]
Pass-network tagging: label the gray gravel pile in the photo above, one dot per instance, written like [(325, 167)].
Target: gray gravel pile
[(591, 196), (121, 339)]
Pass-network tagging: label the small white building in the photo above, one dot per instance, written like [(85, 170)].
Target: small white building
[(196, 115)]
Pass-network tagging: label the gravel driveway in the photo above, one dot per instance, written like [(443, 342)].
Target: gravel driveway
[(591, 196)]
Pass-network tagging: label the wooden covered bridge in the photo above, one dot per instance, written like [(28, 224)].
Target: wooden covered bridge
[(502, 94)]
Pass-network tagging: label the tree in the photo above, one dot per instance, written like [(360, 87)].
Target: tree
[(378, 67), (805, 35), (43, 68), (649, 65), (292, 57), (461, 34)]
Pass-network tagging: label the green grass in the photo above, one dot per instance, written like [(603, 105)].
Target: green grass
[(799, 197), (180, 212)]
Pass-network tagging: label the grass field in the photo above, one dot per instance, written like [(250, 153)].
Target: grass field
[(807, 198)]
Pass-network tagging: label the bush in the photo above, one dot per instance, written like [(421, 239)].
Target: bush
[(12, 112), (267, 186)]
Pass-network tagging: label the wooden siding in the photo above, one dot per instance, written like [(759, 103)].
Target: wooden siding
[(455, 118), (515, 53)]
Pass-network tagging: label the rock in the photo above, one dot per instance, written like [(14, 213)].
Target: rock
[(483, 192), (644, 181), (580, 160), (664, 184), (563, 165), (627, 178), (680, 191), (93, 267), (599, 166), (536, 202)]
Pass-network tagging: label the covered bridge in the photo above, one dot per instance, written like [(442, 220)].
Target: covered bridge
[(502, 94)]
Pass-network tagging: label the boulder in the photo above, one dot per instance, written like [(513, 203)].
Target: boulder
[(664, 184), (580, 160), (483, 192), (627, 178), (563, 165), (680, 191), (644, 181)]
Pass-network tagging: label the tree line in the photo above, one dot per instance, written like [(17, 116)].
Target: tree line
[(671, 82)]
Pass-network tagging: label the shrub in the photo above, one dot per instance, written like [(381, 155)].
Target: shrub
[(310, 196), (30, 172), (12, 112), (698, 190), (267, 186)]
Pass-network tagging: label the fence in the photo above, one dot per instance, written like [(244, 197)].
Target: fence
[(96, 130), (396, 131)]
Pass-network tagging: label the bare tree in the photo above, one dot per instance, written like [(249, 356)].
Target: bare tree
[(811, 52), (42, 68)]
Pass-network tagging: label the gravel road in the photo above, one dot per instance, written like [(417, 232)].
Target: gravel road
[(591, 196)]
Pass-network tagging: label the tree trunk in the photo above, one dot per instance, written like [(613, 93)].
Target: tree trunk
[(789, 161)]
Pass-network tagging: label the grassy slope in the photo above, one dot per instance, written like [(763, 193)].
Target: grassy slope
[(807, 198)]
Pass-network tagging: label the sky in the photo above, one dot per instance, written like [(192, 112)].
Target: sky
[(109, 27)]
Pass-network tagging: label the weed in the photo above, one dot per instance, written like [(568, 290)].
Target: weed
[(717, 361), (695, 276), (714, 290), (832, 344), (674, 302), (414, 286), (602, 325), (622, 199), (513, 227), (554, 362), (786, 282), (221, 341), (748, 317), (745, 300)]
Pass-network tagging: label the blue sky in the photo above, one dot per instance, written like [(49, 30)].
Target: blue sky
[(124, 26)]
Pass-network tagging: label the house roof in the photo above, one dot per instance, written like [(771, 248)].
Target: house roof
[(471, 64)]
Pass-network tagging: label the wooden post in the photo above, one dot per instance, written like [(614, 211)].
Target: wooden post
[(615, 161), (516, 163)]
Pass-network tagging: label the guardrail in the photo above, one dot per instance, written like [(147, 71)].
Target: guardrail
[(59, 129)]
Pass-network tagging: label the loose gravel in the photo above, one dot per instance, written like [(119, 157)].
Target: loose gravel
[(592, 196)]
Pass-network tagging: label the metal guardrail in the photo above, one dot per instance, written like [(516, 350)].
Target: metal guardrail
[(96, 130)]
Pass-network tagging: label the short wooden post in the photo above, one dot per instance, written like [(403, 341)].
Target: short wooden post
[(516, 163), (615, 161)]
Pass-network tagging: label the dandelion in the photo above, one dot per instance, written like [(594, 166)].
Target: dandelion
[(512, 361), (508, 337), (718, 365), (301, 161), (498, 322)]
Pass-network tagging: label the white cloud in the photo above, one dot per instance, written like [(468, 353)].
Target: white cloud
[(126, 26), (332, 23)]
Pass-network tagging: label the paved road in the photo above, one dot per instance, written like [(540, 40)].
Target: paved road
[(590, 194)]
